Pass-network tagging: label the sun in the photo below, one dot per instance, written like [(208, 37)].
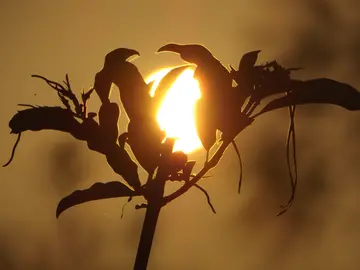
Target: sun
[(176, 113)]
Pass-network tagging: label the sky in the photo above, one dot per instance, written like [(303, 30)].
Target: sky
[(52, 38)]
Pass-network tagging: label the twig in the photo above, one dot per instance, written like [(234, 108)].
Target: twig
[(13, 150), (291, 135), (207, 197)]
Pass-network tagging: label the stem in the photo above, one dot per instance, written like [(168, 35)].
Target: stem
[(147, 235), (154, 198), (211, 164)]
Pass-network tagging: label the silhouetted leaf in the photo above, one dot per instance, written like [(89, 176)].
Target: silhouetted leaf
[(165, 84), (144, 139), (98, 191), (41, 118), (120, 161), (188, 168), (317, 91), (112, 65), (248, 60), (109, 114), (178, 160)]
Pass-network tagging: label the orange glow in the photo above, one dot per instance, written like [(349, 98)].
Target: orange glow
[(176, 114)]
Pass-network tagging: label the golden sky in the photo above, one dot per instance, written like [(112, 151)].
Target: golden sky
[(52, 38)]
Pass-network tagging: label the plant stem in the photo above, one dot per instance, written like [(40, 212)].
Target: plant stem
[(154, 205), (147, 235)]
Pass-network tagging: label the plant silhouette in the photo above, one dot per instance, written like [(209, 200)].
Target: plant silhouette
[(229, 102)]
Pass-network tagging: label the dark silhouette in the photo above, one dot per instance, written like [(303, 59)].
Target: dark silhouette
[(218, 108), (222, 106)]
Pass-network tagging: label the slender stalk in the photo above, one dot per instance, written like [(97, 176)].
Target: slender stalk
[(147, 235), (154, 198)]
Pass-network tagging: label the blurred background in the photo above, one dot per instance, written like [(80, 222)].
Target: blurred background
[(320, 231)]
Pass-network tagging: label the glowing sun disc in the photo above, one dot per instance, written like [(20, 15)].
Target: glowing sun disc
[(176, 114)]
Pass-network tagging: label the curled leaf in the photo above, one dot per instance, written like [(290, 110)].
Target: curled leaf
[(321, 90), (248, 60), (165, 84), (98, 191)]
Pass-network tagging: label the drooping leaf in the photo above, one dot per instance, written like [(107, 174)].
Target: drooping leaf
[(98, 191), (120, 161), (322, 90)]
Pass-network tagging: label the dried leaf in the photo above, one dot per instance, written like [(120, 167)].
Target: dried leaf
[(65, 93), (317, 91), (98, 191)]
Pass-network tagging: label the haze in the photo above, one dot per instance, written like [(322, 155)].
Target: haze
[(321, 230)]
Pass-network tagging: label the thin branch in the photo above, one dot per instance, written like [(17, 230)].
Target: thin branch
[(13, 150), (293, 178), (240, 163), (28, 105), (207, 197), (123, 208), (56, 86)]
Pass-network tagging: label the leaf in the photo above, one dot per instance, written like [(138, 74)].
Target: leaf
[(165, 84), (98, 191), (249, 59), (188, 169), (321, 90), (86, 95), (40, 118), (145, 140), (120, 161), (109, 114)]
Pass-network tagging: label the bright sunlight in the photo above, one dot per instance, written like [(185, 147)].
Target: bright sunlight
[(176, 114)]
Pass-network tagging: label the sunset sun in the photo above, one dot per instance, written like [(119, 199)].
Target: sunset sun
[(176, 113)]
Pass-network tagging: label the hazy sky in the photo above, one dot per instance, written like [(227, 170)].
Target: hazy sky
[(53, 38)]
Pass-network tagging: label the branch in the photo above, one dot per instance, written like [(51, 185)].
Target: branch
[(207, 197), (211, 164)]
